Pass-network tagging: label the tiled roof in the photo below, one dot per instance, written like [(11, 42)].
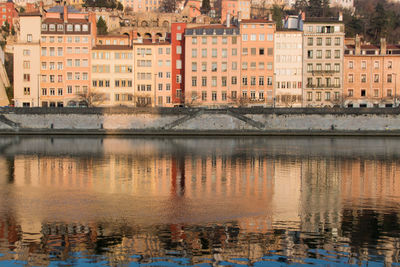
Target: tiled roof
[(255, 21), (212, 30), (60, 9), (30, 14)]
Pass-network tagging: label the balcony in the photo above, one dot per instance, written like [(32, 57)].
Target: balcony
[(323, 72), (322, 86)]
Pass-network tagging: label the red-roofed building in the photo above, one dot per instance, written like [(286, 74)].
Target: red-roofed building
[(178, 62)]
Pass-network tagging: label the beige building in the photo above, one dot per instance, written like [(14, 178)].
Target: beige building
[(323, 49), (288, 68), (112, 71), (27, 61)]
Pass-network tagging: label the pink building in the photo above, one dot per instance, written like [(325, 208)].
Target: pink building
[(212, 67), (257, 62), (192, 9), (163, 76), (65, 56)]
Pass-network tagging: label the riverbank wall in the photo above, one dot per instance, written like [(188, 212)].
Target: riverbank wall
[(185, 121)]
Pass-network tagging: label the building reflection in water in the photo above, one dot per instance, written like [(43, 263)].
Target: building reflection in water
[(202, 199)]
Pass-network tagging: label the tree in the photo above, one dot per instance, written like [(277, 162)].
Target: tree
[(169, 6), (300, 5), (6, 27), (277, 15), (315, 8), (91, 98), (378, 23), (21, 10), (205, 7), (120, 6), (101, 26)]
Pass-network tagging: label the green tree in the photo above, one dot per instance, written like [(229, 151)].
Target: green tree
[(205, 7), (378, 23), (315, 8), (101, 27), (169, 6), (6, 27), (21, 10), (277, 15), (300, 5), (120, 6)]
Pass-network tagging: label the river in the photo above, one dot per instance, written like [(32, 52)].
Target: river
[(260, 201)]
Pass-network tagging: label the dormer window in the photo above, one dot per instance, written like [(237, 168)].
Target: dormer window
[(85, 27), (69, 28), (52, 27), (77, 27), (60, 27), (44, 27)]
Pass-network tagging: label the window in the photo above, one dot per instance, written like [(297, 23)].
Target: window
[(224, 53), (203, 52), (44, 51), (389, 92), (253, 37), (261, 37), (214, 66), (351, 65), (214, 40), (204, 40), (350, 92), (213, 81), (244, 37), (179, 64), (179, 49), (389, 78), (178, 78), (376, 78), (179, 36), (194, 81), (389, 65), (203, 81), (363, 65), (309, 41), (194, 53), (194, 40), (214, 52), (319, 53), (337, 53), (351, 78), (27, 64), (270, 37), (328, 41), (376, 64), (327, 54), (261, 80), (204, 95), (244, 80), (363, 78), (52, 51), (363, 92), (29, 38), (60, 91), (309, 54), (319, 41), (194, 66), (337, 41), (214, 96), (327, 96), (244, 65), (44, 91), (27, 77), (234, 80), (234, 40), (27, 90), (27, 52), (270, 51)]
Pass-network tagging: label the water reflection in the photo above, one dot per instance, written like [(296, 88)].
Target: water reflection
[(116, 201)]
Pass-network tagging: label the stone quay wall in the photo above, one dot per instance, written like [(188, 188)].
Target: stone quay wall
[(187, 121)]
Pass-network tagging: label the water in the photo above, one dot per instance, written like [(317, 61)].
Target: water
[(91, 201)]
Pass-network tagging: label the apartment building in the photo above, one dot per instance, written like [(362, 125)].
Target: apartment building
[(236, 8), (163, 78), (112, 67), (288, 66), (27, 61), (371, 74), (212, 70), (323, 49), (142, 5), (8, 13), (65, 45), (257, 62), (178, 62)]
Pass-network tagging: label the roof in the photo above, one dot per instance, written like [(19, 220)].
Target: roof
[(112, 47), (373, 47), (255, 21), (322, 20), (60, 9), (212, 29), (30, 14), (57, 20)]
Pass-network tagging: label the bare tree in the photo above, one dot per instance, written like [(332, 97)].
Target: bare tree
[(169, 6), (91, 98)]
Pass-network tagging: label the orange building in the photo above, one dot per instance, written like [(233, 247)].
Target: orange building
[(370, 74), (239, 9), (257, 62), (65, 56)]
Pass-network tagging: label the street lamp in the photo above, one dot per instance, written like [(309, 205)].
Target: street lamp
[(395, 88)]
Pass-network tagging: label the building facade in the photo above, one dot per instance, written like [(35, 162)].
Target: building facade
[(8, 13), (288, 68), (257, 62), (323, 47), (371, 75), (27, 61), (239, 9), (112, 67), (178, 62), (212, 69)]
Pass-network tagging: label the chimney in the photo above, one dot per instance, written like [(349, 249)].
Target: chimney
[(228, 20), (65, 13), (340, 16), (383, 46), (358, 45)]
